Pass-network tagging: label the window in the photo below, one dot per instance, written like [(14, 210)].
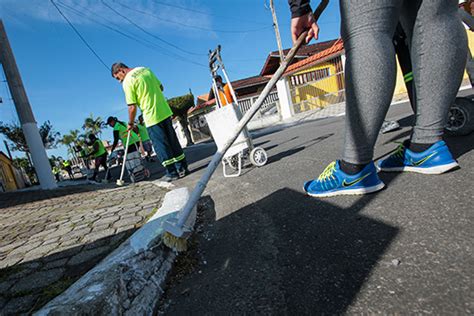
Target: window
[(310, 76)]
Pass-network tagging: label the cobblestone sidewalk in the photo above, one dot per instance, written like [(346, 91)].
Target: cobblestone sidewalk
[(48, 239)]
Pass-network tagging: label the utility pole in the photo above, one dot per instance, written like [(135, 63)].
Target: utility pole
[(25, 114), (277, 30)]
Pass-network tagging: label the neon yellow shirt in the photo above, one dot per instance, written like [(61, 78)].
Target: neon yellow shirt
[(142, 88), (101, 150), (143, 133), (123, 134)]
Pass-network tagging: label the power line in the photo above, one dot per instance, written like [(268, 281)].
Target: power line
[(151, 34), (80, 36), (205, 13), (191, 26), (134, 38)]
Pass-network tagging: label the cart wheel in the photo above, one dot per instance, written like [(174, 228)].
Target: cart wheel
[(460, 117), (233, 162), (258, 157)]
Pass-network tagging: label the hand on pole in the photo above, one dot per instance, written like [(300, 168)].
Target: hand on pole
[(303, 23)]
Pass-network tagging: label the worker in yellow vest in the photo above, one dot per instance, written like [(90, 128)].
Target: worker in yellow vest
[(100, 155), (56, 173), (121, 133), (68, 168)]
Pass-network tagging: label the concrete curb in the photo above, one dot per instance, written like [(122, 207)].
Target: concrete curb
[(130, 280)]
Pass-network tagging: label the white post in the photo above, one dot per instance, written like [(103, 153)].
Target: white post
[(25, 114), (284, 96), (343, 62)]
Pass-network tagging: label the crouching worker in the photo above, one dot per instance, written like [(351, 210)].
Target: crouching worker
[(121, 133), (100, 155)]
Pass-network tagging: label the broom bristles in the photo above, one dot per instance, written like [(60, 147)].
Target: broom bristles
[(176, 243)]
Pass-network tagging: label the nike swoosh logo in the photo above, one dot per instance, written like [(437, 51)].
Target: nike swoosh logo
[(348, 184), (420, 162)]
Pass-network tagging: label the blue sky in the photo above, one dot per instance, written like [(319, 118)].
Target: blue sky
[(65, 82)]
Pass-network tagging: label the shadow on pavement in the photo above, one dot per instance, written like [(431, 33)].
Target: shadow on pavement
[(460, 145), (283, 154), (11, 199), (286, 253), (27, 286)]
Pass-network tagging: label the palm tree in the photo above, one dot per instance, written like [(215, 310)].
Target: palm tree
[(93, 125), (68, 141)]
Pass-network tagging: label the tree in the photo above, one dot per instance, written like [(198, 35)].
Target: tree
[(14, 133), (93, 125), (49, 136), (180, 106), (71, 140)]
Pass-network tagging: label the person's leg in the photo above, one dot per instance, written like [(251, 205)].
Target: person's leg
[(104, 165), (367, 31), (148, 149), (175, 147), (438, 40), (96, 168), (161, 146)]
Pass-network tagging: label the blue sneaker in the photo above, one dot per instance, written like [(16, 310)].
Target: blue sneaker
[(435, 160), (333, 181)]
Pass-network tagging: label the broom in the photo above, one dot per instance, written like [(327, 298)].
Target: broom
[(120, 181), (178, 229)]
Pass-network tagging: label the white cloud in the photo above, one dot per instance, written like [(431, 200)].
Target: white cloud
[(157, 15)]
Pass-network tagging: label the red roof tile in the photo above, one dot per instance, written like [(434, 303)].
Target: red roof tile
[(246, 82), (337, 47), (273, 59)]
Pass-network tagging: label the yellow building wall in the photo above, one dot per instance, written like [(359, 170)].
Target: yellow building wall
[(400, 86), (321, 87), (6, 174)]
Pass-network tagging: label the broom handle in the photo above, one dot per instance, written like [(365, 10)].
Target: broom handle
[(202, 183), (125, 155)]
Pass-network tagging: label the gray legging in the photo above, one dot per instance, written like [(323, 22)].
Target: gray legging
[(438, 46)]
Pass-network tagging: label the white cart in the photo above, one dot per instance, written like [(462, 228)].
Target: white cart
[(223, 121)]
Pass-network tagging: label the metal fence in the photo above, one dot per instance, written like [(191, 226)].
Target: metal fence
[(270, 104), (311, 91)]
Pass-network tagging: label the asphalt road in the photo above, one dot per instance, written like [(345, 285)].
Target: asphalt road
[(264, 246)]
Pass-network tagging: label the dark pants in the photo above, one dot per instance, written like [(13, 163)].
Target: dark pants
[(69, 172), (100, 161), (167, 147)]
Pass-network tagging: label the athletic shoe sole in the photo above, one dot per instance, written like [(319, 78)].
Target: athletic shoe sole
[(359, 191), (431, 170)]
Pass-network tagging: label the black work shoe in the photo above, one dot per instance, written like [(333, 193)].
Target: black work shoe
[(184, 173)]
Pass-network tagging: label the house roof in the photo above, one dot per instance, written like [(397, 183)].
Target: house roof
[(273, 60), (248, 82), (307, 55), (202, 98), (335, 48)]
